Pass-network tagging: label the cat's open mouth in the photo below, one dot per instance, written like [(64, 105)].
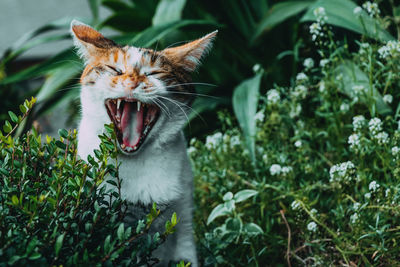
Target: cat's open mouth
[(133, 121)]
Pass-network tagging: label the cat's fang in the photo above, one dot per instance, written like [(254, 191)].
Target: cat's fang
[(118, 103), (138, 106)]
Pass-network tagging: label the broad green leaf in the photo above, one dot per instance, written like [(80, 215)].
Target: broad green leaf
[(245, 100), (120, 231), (14, 118), (352, 75), (218, 211), (244, 194), (168, 11), (149, 36), (94, 8), (58, 244), (340, 13), (279, 13), (48, 66), (57, 78), (253, 229), (228, 196)]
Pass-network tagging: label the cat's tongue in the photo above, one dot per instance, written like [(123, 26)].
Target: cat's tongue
[(131, 124)]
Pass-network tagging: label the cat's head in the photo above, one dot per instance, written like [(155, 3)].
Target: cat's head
[(145, 93)]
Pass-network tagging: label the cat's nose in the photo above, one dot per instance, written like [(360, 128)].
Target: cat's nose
[(133, 84)]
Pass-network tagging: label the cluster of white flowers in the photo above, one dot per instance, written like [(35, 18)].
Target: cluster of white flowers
[(358, 122), (354, 218), (382, 138), (356, 206), (344, 171), (395, 151), (259, 117), (312, 227), (357, 11), (301, 77), (308, 63), (371, 8), (358, 90), (314, 212), (316, 28), (367, 195), (322, 87), (391, 49), (354, 141), (191, 150), (277, 169), (373, 186), (295, 205), (213, 141), (323, 62), (295, 111), (235, 141), (375, 126), (387, 192), (273, 96), (300, 91), (298, 143), (363, 48), (344, 107), (388, 99)]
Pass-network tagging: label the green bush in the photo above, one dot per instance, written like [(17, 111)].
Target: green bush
[(56, 209), (315, 180)]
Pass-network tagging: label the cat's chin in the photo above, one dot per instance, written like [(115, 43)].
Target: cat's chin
[(133, 121)]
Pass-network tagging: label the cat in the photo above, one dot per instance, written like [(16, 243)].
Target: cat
[(146, 94)]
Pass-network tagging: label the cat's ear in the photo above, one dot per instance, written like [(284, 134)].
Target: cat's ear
[(90, 43), (189, 55)]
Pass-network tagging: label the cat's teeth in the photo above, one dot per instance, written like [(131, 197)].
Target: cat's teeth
[(134, 148), (138, 106), (118, 103), (123, 146)]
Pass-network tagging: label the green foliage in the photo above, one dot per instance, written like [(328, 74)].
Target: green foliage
[(324, 188), (56, 209)]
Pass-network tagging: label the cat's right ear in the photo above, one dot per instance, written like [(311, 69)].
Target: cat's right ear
[(90, 43)]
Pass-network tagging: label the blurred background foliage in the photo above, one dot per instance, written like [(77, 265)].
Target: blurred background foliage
[(265, 32)]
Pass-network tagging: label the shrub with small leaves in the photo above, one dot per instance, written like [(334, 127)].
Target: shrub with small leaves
[(56, 209)]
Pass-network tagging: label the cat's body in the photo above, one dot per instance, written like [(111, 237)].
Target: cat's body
[(146, 94)]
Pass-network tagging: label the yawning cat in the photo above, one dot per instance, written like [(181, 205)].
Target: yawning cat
[(146, 94)]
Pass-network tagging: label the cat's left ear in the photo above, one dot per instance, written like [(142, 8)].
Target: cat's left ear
[(90, 43), (189, 55)]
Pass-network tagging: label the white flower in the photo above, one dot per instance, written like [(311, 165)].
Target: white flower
[(295, 205), (191, 150), (358, 122), (371, 8), (300, 91), (295, 111), (354, 140), (256, 68), (387, 191), (235, 141), (323, 62), (273, 96), (322, 87), (213, 141), (320, 14), (259, 116), (265, 158), (298, 143), (312, 227), (344, 107), (354, 218), (308, 63), (373, 186), (315, 31), (395, 150), (382, 138), (375, 125), (285, 170), (357, 11), (367, 195), (391, 49), (339, 77), (301, 77), (344, 171), (388, 98), (359, 90), (314, 212), (275, 169), (356, 206), (193, 141)]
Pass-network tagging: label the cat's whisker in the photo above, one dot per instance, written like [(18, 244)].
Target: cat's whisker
[(165, 109), (178, 105), (195, 94), (180, 84)]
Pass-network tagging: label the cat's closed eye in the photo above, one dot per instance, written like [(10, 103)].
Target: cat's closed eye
[(115, 70), (150, 73)]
